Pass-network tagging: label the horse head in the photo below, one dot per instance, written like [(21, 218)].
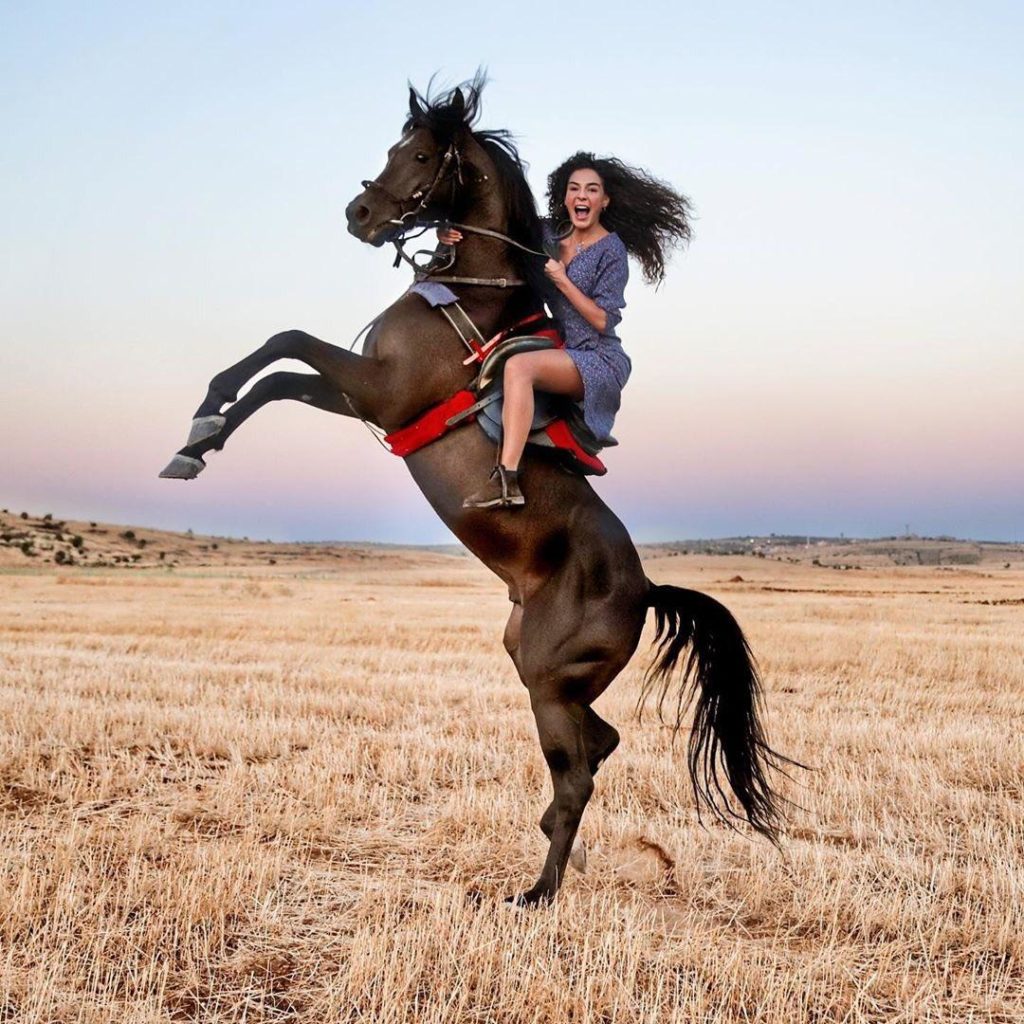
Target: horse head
[(433, 170), (443, 169)]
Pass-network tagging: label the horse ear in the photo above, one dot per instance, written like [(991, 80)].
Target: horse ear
[(458, 104), (415, 107)]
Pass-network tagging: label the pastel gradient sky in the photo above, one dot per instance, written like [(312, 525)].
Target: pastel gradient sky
[(839, 350)]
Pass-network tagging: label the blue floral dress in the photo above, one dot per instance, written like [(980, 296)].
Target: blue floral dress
[(600, 271)]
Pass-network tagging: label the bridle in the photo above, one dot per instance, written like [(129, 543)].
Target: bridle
[(451, 167), (424, 194)]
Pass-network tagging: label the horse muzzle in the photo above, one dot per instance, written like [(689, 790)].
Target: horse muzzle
[(367, 223)]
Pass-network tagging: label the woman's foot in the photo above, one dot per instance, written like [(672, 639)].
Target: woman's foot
[(500, 491)]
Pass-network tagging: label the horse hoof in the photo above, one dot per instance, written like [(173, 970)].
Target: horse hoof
[(578, 856), (182, 467), (204, 427), (532, 898)]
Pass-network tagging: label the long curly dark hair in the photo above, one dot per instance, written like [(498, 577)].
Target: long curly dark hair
[(648, 215)]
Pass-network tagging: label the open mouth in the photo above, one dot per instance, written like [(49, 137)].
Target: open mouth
[(382, 233), (581, 211)]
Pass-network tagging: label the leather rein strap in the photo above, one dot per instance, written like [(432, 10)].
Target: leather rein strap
[(424, 273), (493, 234)]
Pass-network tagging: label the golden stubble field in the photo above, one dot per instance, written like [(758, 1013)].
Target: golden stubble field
[(262, 794)]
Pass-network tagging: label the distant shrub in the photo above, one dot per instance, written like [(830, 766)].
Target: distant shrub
[(128, 535), (77, 542), (24, 515), (26, 547), (48, 518)]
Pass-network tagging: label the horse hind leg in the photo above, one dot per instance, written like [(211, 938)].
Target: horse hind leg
[(591, 736), (513, 633), (600, 739), (560, 728)]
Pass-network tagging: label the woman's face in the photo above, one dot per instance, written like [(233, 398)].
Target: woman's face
[(585, 198)]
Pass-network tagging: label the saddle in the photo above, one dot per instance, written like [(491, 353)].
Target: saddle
[(557, 421), (558, 424)]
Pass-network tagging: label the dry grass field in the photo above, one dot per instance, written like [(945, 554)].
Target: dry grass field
[(263, 792)]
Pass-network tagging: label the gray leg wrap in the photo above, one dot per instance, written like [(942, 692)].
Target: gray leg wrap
[(204, 427), (182, 467)]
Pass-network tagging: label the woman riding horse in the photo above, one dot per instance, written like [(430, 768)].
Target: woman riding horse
[(578, 590), (613, 210)]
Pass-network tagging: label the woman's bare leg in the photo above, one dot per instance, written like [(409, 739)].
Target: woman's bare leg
[(551, 370)]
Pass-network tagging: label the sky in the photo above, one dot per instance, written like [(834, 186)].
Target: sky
[(840, 349)]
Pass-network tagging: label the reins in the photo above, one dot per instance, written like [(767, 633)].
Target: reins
[(494, 234), (428, 271)]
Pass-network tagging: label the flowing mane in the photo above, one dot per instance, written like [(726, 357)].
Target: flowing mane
[(451, 113)]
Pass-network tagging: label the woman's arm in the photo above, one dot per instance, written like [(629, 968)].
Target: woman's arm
[(583, 304)]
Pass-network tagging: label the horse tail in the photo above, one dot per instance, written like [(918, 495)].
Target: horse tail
[(727, 736)]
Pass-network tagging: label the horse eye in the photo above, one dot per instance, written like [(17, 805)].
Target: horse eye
[(422, 158)]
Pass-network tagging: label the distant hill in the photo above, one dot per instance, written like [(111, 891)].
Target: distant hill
[(27, 539), (854, 553)]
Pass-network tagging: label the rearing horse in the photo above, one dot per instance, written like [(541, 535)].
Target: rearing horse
[(578, 591)]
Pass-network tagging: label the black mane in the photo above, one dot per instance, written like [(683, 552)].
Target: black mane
[(449, 114)]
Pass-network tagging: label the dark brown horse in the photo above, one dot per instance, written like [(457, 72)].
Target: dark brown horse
[(578, 591)]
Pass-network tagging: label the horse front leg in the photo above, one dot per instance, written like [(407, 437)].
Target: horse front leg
[(345, 383), (309, 388)]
